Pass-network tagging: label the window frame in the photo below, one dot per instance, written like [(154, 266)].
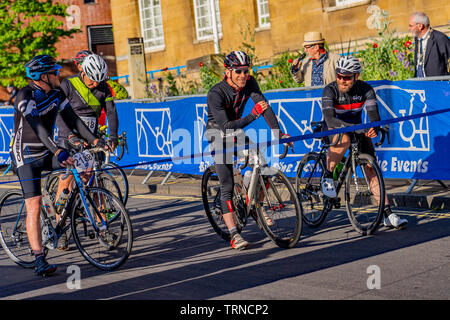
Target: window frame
[(259, 4), (198, 29), (143, 19)]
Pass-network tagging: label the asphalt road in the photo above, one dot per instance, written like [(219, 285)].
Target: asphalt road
[(176, 255)]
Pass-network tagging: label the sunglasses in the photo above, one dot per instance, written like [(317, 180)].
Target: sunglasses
[(239, 71), (345, 78), (54, 72), (309, 46)]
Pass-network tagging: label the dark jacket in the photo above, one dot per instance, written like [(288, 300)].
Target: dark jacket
[(437, 55)]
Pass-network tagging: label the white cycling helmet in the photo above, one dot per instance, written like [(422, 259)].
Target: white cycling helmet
[(348, 65), (95, 67)]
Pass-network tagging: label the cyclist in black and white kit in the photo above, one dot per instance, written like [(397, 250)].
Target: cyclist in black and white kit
[(34, 150), (342, 104), (226, 102), (88, 93)]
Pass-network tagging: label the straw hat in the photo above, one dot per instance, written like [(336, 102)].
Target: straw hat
[(313, 37)]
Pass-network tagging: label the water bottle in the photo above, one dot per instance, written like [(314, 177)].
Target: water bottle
[(337, 170), (48, 205), (247, 177), (61, 202)]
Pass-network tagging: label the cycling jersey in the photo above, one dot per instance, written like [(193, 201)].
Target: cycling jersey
[(345, 109), (34, 120), (226, 105), (88, 104)]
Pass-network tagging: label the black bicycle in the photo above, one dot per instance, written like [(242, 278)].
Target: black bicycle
[(364, 211)]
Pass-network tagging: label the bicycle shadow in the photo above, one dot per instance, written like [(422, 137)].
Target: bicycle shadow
[(213, 270)]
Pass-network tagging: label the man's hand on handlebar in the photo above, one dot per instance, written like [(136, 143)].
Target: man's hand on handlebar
[(372, 133), (259, 108)]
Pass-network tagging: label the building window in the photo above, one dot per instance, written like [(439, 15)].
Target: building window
[(346, 2), (89, 1), (203, 19), (334, 5), (263, 13), (151, 24)]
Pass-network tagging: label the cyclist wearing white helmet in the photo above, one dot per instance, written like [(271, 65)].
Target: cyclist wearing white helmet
[(342, 104), (88, 93)]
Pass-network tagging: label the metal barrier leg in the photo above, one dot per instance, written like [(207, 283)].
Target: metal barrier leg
[(412, 185), (147, 177), (442, 184), (166, 178)]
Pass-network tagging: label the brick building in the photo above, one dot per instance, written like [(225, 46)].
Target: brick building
[(93, 17), (176, 31)]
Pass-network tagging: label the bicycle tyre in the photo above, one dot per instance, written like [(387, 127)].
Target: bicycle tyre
[(120, 176), (13, 234), (211, 203), (363, 211), (281, 205), (310, 192), (94, 245)]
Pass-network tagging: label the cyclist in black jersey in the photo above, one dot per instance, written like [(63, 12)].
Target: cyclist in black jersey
[(88, 94), (226, 102), (342, 104), (34, 150)]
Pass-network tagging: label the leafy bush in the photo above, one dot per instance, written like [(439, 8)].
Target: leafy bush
[(390, 58)]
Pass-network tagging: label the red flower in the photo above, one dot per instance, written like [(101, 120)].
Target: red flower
[(408, 44), (200, 64), (395, 51), (375, 45), (165, 69), (290, 60), (281, 81)]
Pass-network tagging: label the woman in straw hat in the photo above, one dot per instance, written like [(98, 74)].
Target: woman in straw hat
[(319, 67)]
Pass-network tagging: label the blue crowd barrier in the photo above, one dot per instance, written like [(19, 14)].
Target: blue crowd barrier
[(418, 149)]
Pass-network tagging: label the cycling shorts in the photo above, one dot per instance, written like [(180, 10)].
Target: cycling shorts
[(30, 174)]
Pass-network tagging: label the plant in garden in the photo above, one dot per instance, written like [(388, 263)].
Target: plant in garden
[(279, 76), (28, 28), (389, 57)]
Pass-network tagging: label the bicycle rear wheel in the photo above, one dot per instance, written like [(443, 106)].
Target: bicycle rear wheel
[(309, 190), (211, 203), (363, 209), (106, 248), (13, 233), (278, 209)]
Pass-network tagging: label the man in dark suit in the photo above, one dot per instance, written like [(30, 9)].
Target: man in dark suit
[(432, 48)]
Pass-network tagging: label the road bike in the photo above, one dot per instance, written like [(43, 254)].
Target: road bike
[(269, 198), (99, 222), (106, 174), (364, 211)]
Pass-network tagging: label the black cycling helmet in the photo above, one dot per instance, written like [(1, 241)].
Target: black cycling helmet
[(236, 59), (40, 64), (79, 57)]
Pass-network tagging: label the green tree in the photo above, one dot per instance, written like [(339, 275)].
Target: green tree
[(28, 28)]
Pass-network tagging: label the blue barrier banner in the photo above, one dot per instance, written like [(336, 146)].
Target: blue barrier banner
[(419, 148)]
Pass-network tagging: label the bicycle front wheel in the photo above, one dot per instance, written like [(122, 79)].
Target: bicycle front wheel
[(108, 244), (278, 209), (365, 195), (13, 233), (309, 190)]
